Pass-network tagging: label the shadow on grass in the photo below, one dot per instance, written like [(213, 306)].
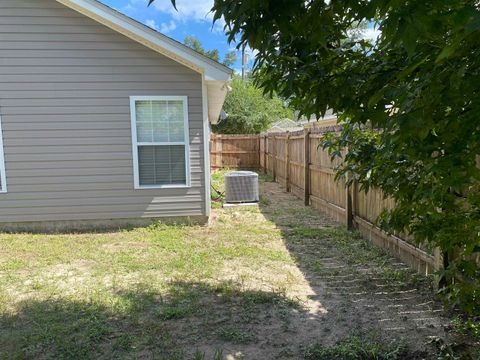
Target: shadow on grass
[(365, 290), (188, 321)]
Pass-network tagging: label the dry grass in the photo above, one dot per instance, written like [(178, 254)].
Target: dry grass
[(276, 282)]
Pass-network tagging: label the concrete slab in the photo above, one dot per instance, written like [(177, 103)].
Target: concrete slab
[(234, 205)]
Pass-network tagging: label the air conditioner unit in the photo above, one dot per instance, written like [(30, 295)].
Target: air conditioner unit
[(241, 187)]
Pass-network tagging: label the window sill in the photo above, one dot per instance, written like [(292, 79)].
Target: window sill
[(150, 187)]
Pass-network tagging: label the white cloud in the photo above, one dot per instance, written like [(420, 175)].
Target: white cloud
[(371, 34), (218, 27), (251, 52), (152, 23), (165, 28), (128, 7), (197, 10), (188, 10)]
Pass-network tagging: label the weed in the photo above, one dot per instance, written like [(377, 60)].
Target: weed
[(264, 201), (256, 298), (465, 345), (218, 354), (218, 188), (453, 350), (235, 335), (393, 275), (264, 177), (470, 326), (123, 342), (12, 264), (356, 348), (182, 303), (227, 289), (316, 266), (172, 312), (198, 355), (303, 231)]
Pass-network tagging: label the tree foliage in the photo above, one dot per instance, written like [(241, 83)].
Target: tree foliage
[(249, 110), (417, 86), (195, 44)]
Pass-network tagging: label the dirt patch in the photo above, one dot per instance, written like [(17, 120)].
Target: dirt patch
[(357, 297), (276, 282), (325, 295)]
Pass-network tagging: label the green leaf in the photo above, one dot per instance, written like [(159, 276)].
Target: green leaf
[(375, 98), (446, 52), (173, 3), (421, 153)]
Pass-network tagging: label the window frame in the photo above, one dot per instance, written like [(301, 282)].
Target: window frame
[(3, 174), (136, 144)]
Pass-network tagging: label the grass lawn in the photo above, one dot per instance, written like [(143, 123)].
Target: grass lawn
[(275, 282)]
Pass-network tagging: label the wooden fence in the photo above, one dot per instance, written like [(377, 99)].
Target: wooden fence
[(235, 151), (297, 162)]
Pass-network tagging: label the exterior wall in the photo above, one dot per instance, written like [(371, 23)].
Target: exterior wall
[(65, 83)]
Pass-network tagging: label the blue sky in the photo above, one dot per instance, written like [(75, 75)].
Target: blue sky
[(192, 19)]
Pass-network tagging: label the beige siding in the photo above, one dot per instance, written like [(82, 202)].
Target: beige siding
[(65, 83)]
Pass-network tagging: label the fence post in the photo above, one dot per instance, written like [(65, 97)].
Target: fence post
[(354, 201), (218, 152), (287, 162), (437, 253), (306, 163), (437, 265), (258, 148), (348, 200), (274, 158), (348, 204), (265, 154), (211, 152)]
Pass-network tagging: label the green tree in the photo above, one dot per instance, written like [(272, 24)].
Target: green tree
[(195, 44), (249, 110), (214, 54), (230, 58), (417, 86)]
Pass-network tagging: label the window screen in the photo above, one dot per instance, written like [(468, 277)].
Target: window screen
[(161, 142)]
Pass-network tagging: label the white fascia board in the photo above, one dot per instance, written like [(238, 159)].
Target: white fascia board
[(156, 41), (216, 93)]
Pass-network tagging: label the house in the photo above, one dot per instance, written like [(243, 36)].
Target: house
[(284, 125), (103, 121), (328, 119)]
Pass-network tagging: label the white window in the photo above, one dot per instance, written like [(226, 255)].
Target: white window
[(3, 175), (160, 140)]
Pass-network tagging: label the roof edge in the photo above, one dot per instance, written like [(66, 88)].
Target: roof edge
[(150, 38)]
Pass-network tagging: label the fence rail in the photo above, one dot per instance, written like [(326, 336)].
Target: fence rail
[(299, 164)]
